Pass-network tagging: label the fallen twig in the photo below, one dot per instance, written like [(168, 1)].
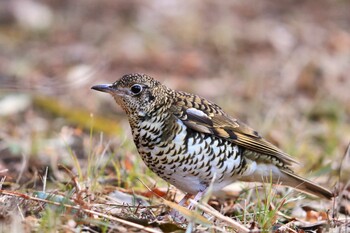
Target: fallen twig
[(234, 224), (122, 221)]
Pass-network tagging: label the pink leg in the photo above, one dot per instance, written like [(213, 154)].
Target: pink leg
[(196, 198), (184, 199), (176, 215)]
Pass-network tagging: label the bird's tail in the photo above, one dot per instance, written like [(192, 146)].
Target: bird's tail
[(304, 185), (265, 173)]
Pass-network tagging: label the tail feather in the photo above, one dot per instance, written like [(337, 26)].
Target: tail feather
[(304, 185), (266, 172)]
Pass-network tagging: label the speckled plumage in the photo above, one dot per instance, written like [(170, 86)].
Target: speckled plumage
[(190, 142)]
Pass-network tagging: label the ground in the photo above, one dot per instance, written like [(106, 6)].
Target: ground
[(280, 66)]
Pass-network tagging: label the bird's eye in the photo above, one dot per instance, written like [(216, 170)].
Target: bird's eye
[(136, 89)]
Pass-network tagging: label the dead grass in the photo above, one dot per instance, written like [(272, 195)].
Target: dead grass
[(88, 201)]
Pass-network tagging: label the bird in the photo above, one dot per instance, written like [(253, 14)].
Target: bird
[(191, 143)]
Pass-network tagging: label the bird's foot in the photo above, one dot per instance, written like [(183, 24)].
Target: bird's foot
[(177, 217)]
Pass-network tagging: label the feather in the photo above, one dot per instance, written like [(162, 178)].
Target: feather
[(213, 120)]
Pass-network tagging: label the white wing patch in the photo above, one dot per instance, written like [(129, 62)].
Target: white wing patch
[(196, 112), (197, 116)]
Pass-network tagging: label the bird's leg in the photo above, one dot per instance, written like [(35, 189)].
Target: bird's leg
[(196, 198), (174, 213), (184, 199)]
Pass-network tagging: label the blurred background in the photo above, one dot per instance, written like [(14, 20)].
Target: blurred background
[(281, 66)]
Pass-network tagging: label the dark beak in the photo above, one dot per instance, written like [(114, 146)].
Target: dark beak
[(103, 87)]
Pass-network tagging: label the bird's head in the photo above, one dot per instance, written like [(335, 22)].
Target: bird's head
[(138, 94)]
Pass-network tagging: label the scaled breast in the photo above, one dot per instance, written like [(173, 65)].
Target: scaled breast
[(193, 157)]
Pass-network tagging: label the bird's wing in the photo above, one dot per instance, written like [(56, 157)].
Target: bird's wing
[(206, 117)]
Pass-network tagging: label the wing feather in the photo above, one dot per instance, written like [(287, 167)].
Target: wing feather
[(211, 119)]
